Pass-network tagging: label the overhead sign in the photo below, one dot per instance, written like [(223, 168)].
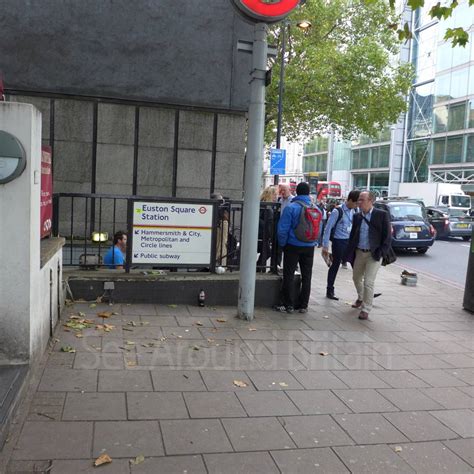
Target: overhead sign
[(267, 11), (277, 161), (46, 200), (170, 233)]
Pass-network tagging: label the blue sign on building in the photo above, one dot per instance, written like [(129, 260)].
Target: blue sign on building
[(277, 161)]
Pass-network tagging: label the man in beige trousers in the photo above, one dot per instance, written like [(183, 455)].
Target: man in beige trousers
[(369, 241)]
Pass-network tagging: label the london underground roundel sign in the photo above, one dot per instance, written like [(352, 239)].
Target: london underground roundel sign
[(268, 11)]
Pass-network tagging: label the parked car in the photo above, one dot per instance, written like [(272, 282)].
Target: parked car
[(410, 226), (450, 222)]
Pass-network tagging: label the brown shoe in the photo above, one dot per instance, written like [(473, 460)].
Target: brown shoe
[(357, 304), (363, 315)]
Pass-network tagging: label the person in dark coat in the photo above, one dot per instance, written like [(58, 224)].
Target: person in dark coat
[(369, 241)]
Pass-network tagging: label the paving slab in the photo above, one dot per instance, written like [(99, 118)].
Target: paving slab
[(267, 404), (433, 457), (89, 360), (85, 466), (365, 401), (420, 426), (460, 421), (317, 402), (464, 448), (124, 381), (177, 381), (95, 406), (54, 440), (223, 380), (369, 428), (449, 397), (213, 405), (240, 463), (171, 465), (400, 379), (318, 379), (357, 362), (377, 459), (68, 380), (410, 399), (257, 434), (438, 378), (320, 362), (127, 439), (361, 379), (194, 436), (274, 380), (156, 406), (315, 431), (318, 460)]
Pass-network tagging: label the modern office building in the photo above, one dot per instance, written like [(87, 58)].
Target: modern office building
[(434, 140)]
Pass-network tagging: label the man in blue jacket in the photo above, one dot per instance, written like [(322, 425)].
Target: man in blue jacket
[(295, 251)]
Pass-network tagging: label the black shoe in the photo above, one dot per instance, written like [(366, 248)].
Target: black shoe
[(331, 296), (290, 309), (376, 295)]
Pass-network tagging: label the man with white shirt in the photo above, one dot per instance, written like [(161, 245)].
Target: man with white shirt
[(338, 229)]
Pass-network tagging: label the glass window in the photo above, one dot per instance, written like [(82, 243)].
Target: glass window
[(470, 114), (384, 156), (355, 159), (444, 56), (417, 163), (378, 180), (402, 211), (365, 158), (456, 117), (421, 110), (424, 54), (364, 140), (463, 17), (459, 84), (438, 151), (309, 164), (375, 158), (460, 55), (454, 150), (385, 134), (442, 84), (459, 201), (470, 89), (470, 148), (360, 181), (440, 118), (321, 162)]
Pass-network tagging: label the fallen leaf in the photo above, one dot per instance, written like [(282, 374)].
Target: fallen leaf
[(131, 363), (99, 299), (93, 305), (102, 459), (221, 320), (283, 384), (398, 449), (196, 348), (114, 313), (198, 323), (82, 315), (99, 326), (130, 343), (326, 317), (209, 339), (108, 327), (105, 314), (138, 460), (124, 348), (240, 383), (68, 349), (324, 353), (172, 305), (132, 323), (79, 335), (252, 329)]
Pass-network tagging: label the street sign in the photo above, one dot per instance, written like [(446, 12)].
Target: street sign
[(267, 11), (170, 233), (277, 161)]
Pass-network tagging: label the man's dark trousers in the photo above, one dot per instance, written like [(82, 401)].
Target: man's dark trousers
[(292, 256), (339, 247)]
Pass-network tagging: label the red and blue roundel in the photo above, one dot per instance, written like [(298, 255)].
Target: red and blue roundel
[(268, 11)]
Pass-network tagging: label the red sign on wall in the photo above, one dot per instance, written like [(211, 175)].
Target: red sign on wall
[(46, 200), (267, 11)]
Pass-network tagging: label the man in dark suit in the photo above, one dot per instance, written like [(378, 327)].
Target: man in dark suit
[(369, 241)]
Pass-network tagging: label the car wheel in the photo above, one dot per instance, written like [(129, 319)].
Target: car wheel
[(466, 238), (422, 250)]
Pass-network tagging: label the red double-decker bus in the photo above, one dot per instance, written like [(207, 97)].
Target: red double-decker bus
[(329, 189)]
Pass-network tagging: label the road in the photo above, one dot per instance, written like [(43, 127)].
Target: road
[(446, 260)]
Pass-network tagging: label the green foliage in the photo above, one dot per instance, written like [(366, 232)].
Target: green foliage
[(341, 74), (457, 36)]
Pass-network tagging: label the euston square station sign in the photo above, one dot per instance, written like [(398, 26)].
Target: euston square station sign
[(170, 233)]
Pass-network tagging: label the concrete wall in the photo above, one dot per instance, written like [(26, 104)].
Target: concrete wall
[(167, 51), (19, 238), (24, 285)]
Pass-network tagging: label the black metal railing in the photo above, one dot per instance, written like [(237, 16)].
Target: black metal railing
[(77, 216)]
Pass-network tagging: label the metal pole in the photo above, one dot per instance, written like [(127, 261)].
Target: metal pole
[(281, 90), (253, 173)]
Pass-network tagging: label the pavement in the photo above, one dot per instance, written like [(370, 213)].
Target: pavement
[(183, 389)]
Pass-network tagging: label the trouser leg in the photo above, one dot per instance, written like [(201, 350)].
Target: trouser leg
[(358, 272), (371, 269), (306, 259), (338, 249), (290, 260)]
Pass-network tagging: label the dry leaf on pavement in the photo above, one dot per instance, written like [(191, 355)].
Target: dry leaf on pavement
[(252, 329), (198, 323), (138, 460), (105, 314), (324, 353), (240, 383), (282, 384), (398, 449), (93, 305), (221, 320), (102, 459), (68, 349)]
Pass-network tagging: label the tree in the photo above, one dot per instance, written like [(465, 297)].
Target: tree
[(457, 36), (342, 73)]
